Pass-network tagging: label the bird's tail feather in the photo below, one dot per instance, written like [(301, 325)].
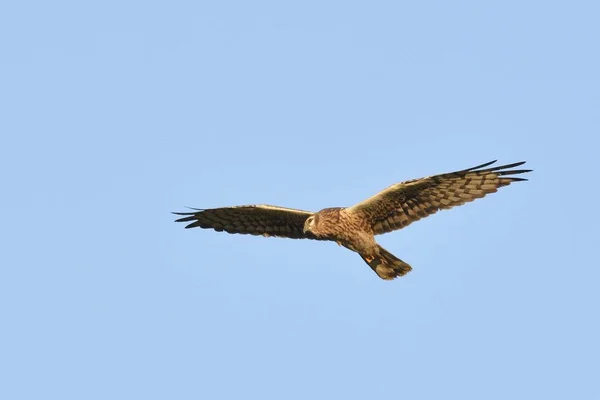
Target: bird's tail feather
[(386, 265)]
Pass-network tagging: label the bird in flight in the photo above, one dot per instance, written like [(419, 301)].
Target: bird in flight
[(355, 227)]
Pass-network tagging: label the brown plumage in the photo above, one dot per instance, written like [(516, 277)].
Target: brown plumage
[(354, 227)]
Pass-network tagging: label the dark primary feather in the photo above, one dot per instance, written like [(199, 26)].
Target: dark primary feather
[(260, 219), (404, 203)]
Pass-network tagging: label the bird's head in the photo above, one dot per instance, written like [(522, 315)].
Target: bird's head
[(310, 224)]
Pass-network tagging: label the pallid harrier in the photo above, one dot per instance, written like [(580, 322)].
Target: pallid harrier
[(355, 227)]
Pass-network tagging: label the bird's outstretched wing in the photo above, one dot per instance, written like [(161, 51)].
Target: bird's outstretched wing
[(406, 202), (259, 219)]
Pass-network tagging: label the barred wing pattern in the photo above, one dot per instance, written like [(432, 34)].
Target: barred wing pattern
[(259, 219), (404, 203)]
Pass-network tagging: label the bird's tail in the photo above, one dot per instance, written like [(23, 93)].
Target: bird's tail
[(386, 265)]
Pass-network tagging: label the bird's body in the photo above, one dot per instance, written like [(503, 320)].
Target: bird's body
[(353, 233), (355, 227), (337, 225)]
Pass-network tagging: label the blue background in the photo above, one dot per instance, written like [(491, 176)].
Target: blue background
[(114, 114)]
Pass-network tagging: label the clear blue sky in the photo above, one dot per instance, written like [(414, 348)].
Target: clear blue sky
[(114, 114)]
